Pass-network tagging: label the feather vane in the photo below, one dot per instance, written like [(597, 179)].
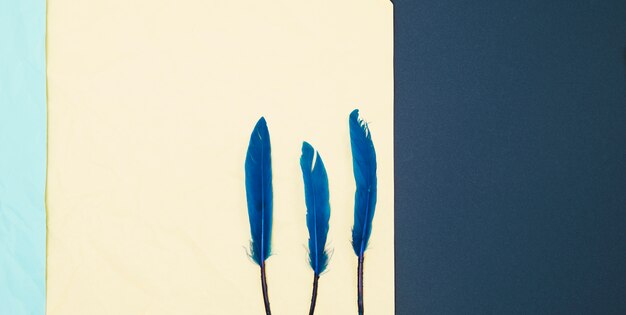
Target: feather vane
[(318, 206), (364, 166), (259, 194)]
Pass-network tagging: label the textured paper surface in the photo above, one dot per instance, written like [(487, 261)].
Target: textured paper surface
[(151, 106), (22, 157)]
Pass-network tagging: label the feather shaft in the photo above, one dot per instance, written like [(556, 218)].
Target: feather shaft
[(360, 285), (318, 212), (259, 195), (316, 279), (266, 300), (364, 166)]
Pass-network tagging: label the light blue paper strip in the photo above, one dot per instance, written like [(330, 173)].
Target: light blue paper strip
[(22, 157)]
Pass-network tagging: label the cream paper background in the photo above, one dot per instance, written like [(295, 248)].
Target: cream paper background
[(151, 105)]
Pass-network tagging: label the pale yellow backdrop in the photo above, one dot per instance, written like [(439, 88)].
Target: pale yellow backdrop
[(151, 105)]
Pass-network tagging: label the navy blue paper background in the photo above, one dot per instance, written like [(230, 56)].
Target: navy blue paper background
[(510, 157)]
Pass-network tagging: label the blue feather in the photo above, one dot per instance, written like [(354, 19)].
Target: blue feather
[(364, 165), (259, 191), (317, 205)]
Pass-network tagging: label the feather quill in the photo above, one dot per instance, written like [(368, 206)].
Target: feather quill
[(318, 212), (258, 169), (364, 167)]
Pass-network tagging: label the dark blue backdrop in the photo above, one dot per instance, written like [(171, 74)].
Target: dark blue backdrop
[(510, 157)]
